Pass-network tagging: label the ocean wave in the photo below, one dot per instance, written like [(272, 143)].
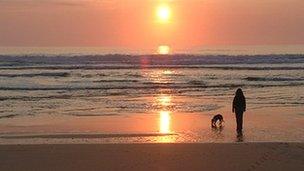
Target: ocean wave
[(91, 75), (149, 86), (115, 81), (273, 79), (116, 67), (43, 74), (144, 60), (279, 103), (200, 108), (37, 98), (196, 82), (157, 84), (90, 115), (8, 116), (134, 75)]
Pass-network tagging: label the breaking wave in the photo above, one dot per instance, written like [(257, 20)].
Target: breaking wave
[(150, 86), (43, 74), (273, 79), (139, 61)]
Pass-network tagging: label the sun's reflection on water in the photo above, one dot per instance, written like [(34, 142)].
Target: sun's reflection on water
[(167, 72), (164, 100), (161, 76), (163, 105)]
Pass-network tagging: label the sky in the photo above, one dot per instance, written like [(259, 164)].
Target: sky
[(136, 23)]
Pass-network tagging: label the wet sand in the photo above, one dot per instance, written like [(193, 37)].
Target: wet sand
[(199, 156)]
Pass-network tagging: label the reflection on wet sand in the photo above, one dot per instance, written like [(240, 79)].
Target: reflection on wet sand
[(163, 101), (164, 122), (165, 128), (217, 131), (166, 139), (239, 137)]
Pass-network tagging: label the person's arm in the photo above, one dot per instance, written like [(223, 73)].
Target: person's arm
[(244, 104), (233, 105)]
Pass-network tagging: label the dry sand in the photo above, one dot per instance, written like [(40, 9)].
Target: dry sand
[(209, 157)]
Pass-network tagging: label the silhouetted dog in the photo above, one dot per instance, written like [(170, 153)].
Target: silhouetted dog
[(216, 118)]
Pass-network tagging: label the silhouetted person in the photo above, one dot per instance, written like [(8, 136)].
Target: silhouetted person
[(239, 107)]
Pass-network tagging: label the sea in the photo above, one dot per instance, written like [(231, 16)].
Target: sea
[(105, 95)]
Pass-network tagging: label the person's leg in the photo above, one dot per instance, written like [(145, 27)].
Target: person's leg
[(239, 121)]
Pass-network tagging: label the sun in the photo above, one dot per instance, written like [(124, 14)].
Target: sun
[(163, 50), (163, 13)]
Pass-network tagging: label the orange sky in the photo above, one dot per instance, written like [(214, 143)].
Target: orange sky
[(133, 23)]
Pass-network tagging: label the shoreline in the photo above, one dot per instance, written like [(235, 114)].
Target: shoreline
[(167, 156), (259, 126)]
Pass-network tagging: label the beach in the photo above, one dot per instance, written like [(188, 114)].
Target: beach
[(197, 156), (158, 85)]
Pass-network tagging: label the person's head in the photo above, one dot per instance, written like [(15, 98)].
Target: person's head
[(239, 93)]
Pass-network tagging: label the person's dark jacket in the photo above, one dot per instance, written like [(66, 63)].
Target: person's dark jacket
[(239, 104)]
